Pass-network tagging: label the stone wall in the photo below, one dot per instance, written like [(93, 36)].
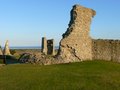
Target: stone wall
[(106, 50), (76, 44), (48, 46), (44, 45)]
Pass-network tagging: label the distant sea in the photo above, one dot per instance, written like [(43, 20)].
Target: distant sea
[(28, 47)]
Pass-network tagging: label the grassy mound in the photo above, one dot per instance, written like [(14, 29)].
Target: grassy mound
[(89, 75)]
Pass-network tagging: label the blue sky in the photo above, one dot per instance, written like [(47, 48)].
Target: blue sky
[(25, 22)]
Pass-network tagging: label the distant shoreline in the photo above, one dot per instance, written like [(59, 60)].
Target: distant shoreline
[(25, 47), (29, 47)]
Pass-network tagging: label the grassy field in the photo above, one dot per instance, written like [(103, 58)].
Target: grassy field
[(1, 61), (89, 75)]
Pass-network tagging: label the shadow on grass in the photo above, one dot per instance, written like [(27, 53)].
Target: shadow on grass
[(8, 59)]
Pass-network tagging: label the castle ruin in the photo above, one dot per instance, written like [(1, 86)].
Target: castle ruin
[(108, 50), (48, 46), (76, 44), (44, 45)]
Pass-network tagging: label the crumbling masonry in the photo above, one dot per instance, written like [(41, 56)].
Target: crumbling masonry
[(6, 50), (106, 50), (77, 45), (48, 46)]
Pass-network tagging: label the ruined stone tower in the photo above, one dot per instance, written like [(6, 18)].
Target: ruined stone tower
[(76, 44), (48, 46), (44, 45), (6, 50)]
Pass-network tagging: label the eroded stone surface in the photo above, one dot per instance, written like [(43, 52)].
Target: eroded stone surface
[(48, 46), (6, 50), (106, 50), (76, 44), (39, 58), (44, 45)]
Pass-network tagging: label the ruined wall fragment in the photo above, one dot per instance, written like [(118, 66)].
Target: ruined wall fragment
[(106, 50), (44, 45), (48, 46), (6, 50), (76, 44)]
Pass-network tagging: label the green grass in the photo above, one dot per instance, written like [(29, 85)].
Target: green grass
[(1, 61), (89, 75)]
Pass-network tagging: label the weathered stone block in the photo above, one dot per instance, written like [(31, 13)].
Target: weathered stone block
[(44, 45), (48, 46)]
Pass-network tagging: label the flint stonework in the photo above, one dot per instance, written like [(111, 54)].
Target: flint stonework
[(76, 44)]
